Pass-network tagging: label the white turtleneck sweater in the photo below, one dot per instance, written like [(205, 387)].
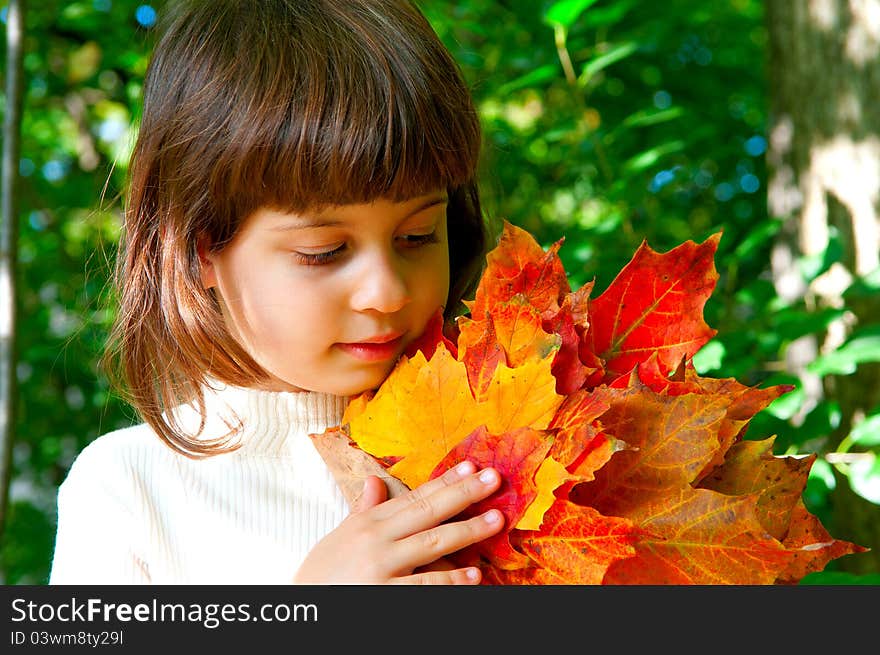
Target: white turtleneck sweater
[(133, 511)]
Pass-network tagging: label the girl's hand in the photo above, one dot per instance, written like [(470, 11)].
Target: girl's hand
[(385, 541)]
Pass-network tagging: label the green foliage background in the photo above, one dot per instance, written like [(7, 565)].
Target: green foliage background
[(606, 122)]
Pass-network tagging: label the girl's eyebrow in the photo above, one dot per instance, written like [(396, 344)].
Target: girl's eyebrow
[(311, 222)]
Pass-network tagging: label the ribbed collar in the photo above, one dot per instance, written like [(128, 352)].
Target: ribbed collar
[(270, 419)]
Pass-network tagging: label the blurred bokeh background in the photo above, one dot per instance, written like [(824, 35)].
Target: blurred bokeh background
[(607, 122)]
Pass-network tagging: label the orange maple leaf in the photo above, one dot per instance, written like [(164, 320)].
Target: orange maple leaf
[(703, 537), (577, 545)]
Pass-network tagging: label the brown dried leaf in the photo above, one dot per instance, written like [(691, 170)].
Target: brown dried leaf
[(350, 466)]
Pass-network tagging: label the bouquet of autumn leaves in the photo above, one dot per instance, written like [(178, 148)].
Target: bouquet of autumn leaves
[(620, 464)]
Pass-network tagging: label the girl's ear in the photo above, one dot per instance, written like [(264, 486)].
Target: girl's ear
[(206, 264)]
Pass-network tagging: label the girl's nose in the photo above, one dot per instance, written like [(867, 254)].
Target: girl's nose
[(381, 286)]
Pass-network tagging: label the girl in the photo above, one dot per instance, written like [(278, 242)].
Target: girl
[(301, 201)]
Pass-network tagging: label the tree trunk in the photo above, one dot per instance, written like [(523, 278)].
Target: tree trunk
[(824, 176)]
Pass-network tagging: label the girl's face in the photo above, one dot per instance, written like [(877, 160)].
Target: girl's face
[(328, 300)]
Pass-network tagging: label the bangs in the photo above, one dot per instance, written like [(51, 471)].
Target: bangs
[(350, 118)]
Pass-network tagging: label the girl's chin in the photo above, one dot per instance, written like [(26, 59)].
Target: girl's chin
[(339, 380)]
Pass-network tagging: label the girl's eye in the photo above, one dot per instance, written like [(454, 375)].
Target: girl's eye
[(316, 259), (319, 258), (416, 240)]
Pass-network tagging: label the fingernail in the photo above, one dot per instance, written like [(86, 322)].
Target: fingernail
[(473, 574), (465, 468), (492, 516), (488, 476)]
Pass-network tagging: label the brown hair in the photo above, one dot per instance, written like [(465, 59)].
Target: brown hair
[(290, 104)]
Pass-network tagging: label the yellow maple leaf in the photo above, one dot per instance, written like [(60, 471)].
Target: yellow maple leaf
[(389, 428)]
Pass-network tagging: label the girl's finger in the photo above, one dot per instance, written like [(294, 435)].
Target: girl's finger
[(426, 546), (428, 507), (466, 576), (450, 477), (373, 493)]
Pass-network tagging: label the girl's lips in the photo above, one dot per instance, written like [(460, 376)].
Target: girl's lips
[(372, 352)]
